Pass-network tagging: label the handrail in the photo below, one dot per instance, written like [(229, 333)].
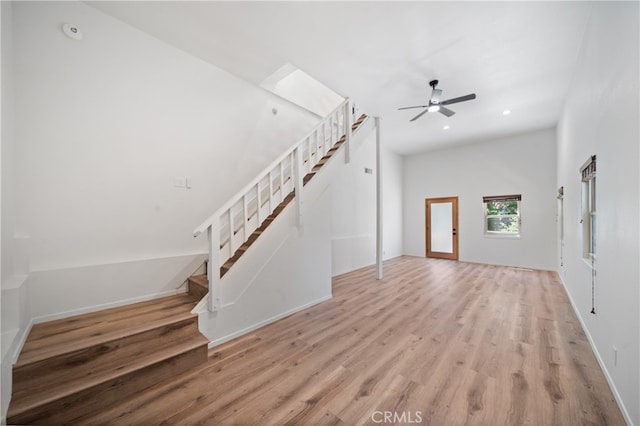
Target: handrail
[(226, 206)]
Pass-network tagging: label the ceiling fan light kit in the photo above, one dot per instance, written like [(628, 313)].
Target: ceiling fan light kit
[(435, 105)]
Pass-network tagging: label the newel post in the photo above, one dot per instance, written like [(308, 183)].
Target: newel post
[(347, 131), (213, 267), (298, 183)]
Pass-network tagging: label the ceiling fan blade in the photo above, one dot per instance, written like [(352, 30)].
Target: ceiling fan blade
[(417, 106), (446, 111), (435, 96), (419, 115), (460, 99)]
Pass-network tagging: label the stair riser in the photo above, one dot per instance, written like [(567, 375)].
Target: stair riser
[(102, 357), (197, 291), (69, 408)]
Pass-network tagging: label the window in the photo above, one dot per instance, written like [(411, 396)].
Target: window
[(502, 215), (588, 219)]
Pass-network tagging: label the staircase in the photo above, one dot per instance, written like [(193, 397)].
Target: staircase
[(201, 283), (74, 366), (307, 178)]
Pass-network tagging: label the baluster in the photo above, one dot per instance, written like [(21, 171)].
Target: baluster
[(213, 267), (231, 232), (245, 217), (331, 130), (292, 159), (347, 131), (271, 206), (309, 163), (324, 136), (258, 203), (281, 181), (297, 156), (317, 148), (318, 144)]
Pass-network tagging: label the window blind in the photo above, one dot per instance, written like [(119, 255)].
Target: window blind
[(588, 169), (514, 197)]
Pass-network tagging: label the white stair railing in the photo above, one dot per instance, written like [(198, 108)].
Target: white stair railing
[(233, 223)]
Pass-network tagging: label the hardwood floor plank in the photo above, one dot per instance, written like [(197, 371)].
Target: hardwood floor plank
[(458, 343)]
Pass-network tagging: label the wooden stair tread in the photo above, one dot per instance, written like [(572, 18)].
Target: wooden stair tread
[(75, 365), (51, 339), (31, 398)]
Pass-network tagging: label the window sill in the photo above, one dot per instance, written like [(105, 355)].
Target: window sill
[(503, 236)]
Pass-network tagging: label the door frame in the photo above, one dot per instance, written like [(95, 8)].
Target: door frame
[(454, 212)]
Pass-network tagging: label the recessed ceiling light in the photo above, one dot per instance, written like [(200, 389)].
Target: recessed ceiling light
[(446, 128), (506, 112)]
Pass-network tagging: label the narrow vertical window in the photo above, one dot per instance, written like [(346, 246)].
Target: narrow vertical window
[(502, 215), (588, 220)]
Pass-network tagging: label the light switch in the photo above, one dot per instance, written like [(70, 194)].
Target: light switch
[(180, 182), (187, 182)]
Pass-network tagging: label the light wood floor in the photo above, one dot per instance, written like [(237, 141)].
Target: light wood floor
[(444, 342)]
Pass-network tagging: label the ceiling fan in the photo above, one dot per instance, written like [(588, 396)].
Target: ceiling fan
[(435, 105)]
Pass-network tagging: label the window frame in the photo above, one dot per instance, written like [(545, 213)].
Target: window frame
[(588, 209), (502, 234), (589, 217)]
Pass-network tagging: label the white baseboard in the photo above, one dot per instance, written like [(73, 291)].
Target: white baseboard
[(22, 338), (255, 326), (603, 367)]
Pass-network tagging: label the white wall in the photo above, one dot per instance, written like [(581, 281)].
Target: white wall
[(101, 128), (286, 270), (353, 207), (392, 191), (104, 126), (601, 117), (10, 322), (520, 164)]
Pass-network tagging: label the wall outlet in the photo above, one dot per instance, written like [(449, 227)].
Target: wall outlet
[(615, 356)]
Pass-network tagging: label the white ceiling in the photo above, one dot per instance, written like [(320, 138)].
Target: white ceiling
[(513, 55)]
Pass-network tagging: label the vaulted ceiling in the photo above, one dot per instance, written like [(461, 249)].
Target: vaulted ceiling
[(514, 55)]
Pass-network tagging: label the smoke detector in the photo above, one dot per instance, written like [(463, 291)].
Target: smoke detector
[(72, 31)]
